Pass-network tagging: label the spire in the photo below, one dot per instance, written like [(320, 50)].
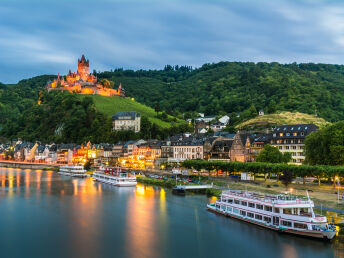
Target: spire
[(58, 76)]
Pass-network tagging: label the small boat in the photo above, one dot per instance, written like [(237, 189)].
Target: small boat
[(114, 177), (74, 171), (283, 213), (177, 190)]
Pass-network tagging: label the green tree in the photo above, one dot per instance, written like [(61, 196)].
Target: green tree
[(272, 154)]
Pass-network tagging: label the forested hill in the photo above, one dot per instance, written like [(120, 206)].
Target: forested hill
[(228, 87)]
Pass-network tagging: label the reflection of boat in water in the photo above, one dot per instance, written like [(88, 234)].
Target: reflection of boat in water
[(75, 171), (283, 213), (117, 177)]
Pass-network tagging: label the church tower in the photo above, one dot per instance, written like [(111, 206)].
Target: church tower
[(83, 68)]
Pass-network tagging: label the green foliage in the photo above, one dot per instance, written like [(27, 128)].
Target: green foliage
[(272, 154), (326, 145), (286, 178), (265, 168), (236, 86)]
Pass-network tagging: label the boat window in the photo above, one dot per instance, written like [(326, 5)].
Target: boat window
[(267, 219), (276, 210), (258, 206), (236, 201), (259, 217), (235, 210), (268, 208), (300, 225), (244, 203), (250, 204), (249, 214), (287, 211), (243, 213), (229, 209), (230, 200), (223, 207), (286, 223)]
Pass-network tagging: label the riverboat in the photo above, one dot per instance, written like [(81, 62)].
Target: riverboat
[(74, 171), (117, 177), (283, 213)]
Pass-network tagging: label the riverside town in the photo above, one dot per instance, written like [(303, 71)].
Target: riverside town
[(153, 129)]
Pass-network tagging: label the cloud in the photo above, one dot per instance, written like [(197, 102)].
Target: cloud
[(47, 37)]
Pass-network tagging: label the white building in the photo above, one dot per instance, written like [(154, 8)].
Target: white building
[(126, 121)]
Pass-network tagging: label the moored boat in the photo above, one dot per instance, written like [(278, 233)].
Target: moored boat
[(75, 171), (114, 177), (283, 213)]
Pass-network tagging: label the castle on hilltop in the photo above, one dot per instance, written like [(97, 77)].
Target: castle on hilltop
[(83, 82)]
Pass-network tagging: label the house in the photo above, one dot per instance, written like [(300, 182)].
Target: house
[(290, 138), (201, 127), (126, 121), (261, 112), (206, 119), (224, 119), (218, 126), (187, 146)]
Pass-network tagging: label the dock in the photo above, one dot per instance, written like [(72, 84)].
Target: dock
[(193, 187)]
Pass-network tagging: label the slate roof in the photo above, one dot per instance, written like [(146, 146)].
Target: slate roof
[(125, 115)]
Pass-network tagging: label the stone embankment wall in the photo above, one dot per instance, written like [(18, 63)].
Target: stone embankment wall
[(24, 165)]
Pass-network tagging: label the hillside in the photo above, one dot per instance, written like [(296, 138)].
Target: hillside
[(229, 87), (112, 105), (283, 118)]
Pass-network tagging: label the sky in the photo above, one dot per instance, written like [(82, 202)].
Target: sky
[(48, 36)]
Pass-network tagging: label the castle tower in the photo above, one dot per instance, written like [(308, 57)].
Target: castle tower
[(83, 68)]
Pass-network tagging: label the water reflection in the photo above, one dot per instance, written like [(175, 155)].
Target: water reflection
[(141, 223), (68, 217)]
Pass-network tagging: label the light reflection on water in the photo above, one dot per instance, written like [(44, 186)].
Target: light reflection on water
[(82, 218)]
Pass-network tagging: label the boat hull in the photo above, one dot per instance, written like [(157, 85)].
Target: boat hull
[(325, 235)]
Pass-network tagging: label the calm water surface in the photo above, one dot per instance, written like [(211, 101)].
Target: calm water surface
[(44, 214)]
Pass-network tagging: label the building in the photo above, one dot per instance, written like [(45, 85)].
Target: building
[(126, 121), (187, 146), (83, 82), (217, 126), (290, 138)]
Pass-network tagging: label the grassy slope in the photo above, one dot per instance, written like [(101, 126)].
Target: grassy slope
[(286, 118), (112, 105)]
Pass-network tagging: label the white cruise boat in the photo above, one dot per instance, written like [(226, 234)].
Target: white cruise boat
[(115, 178), (75, 171), (284, 213)]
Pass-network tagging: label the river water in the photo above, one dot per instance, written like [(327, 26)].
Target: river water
[(47, 215)]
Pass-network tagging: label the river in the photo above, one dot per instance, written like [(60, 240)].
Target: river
[(45, 215)]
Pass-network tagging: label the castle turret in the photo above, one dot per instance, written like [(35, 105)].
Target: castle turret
[(83, 68)]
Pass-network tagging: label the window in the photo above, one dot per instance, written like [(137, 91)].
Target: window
[(268, 208), (250, 204), (243, 213), (258, 206), (267, 219), (287, 211), (250, 215), (288, 134), (236, 201), (300, 225), (276, 210), (229, 209), (287, 147), (259, 217), (281, 134), (235, 210), (286, 223), (223, 207), (244, 203), (230, 200), (295, 134)]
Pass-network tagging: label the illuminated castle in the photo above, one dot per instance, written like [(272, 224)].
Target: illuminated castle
[(83, 82)]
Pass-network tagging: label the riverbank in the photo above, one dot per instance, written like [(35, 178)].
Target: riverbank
[(323, 196), (28, 165)]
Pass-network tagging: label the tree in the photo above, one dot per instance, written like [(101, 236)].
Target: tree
[(286, 178), (271, 107), (326, 145), (157, 108), (87, 165), (272, 154)]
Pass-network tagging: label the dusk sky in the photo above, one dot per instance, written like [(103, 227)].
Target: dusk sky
[(47, 37)]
